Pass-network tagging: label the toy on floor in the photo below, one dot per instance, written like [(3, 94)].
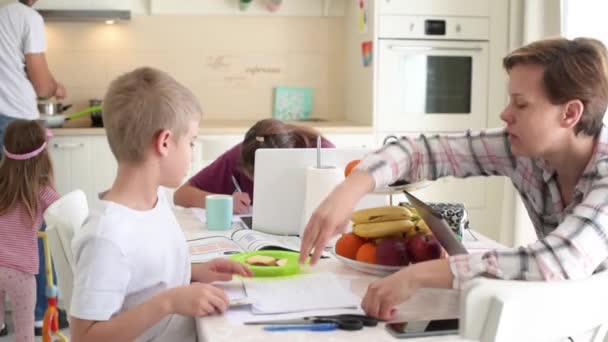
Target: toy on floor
[(50, 323)]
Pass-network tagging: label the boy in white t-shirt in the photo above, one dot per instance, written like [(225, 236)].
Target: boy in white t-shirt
[(133, 277)]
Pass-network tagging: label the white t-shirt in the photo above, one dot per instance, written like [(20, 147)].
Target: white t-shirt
[(21, 33), (124, 257)]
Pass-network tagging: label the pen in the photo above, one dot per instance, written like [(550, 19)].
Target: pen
[(308, 327), (236, 184)]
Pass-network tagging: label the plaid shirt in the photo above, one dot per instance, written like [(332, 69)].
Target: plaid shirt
[(573, 240)]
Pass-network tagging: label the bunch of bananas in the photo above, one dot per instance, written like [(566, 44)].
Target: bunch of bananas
[(388, 221)]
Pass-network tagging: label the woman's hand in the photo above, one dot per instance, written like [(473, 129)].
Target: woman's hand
[(241, 203), (333, 214), (218, 270), (385, 294)]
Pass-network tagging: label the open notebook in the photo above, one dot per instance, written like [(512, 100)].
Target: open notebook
[(216, 244)]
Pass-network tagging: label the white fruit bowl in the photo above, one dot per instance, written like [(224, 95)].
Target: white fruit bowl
[(379, 270)]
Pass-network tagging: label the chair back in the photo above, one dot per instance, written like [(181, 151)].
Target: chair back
[(63, 218), (502, 310)]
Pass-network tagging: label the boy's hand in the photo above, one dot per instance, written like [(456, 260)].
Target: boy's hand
[(218, 270), (198, 299)]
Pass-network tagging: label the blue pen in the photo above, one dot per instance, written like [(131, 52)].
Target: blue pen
[(307, 327)]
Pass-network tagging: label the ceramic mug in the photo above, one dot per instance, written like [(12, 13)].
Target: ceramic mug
[(219, 212)]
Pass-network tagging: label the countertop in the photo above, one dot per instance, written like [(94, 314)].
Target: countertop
[(225, 127)]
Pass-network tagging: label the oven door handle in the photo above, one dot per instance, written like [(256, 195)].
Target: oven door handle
[(435, 48)]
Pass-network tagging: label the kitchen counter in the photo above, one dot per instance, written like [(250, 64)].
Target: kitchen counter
[(219, 127)]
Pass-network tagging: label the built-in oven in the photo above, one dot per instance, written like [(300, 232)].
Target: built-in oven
[(432, 74)]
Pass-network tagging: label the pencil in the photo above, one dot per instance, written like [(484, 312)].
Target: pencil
[(236, 184)]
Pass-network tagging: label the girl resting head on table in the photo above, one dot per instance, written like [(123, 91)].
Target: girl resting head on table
[(239, 161)]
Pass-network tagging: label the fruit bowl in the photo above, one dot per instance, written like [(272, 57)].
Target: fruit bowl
[(379, 270)]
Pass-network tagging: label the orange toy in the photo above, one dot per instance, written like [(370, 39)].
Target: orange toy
[(348, 245), (50, 323), (350, 166), (367, 253)]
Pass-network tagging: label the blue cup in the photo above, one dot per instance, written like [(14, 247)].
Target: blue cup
[(219, 212)]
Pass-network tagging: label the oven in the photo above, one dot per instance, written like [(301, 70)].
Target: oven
[(432, 74)]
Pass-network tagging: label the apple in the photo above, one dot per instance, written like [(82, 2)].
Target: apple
[(391, 252), (423, 247)]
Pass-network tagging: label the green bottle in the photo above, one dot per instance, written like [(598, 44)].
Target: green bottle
[(244, 4)]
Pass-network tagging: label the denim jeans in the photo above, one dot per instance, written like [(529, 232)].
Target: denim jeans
[(4, 121)]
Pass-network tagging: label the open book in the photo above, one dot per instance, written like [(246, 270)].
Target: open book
[(217, 244)]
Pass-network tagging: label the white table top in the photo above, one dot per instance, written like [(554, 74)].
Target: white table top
[(424, 305)]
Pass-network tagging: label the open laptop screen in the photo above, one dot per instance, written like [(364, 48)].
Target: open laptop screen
[(438, 225)]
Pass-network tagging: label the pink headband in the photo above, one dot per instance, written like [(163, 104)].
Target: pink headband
[(28, 155)]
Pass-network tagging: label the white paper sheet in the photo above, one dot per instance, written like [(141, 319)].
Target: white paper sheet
[(307, 292)]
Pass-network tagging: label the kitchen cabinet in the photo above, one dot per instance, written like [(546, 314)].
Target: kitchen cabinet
[(345, 140), (86, 162), (82, 162), (223, 7), (473, 8)]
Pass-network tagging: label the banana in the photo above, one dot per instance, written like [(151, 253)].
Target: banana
[(420, 228), (382, 229), (381, 214)]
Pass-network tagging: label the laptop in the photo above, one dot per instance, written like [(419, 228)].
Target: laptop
[(279, 186), (438, 225)]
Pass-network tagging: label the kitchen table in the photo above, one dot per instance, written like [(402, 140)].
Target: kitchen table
[(425, 304)]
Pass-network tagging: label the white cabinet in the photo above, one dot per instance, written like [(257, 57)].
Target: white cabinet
[(213, 146), (223, 7), (71, 157), (474, 8), (351, 140), (82, 162), (83, 5)]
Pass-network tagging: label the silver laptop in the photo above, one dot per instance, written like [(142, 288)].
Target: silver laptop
[(438, 225)]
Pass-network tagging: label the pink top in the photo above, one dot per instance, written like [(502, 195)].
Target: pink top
[(19, 238)]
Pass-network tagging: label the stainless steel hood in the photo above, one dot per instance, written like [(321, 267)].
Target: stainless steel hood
[(85, 15)]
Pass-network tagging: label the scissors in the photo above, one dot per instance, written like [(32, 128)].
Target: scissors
[(344, 322)]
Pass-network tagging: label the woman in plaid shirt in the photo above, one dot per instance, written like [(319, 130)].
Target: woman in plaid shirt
[(554, 148)]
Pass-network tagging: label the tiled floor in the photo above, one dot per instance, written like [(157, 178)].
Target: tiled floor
[(10, 337)]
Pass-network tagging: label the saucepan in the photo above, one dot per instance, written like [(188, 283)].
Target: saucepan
[(52, 108), (57, 120)]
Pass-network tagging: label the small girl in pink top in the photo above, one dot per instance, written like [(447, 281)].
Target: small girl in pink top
[(26, 190)]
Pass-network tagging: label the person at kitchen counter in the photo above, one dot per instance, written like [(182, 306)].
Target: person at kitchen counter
[(24, 76), (133, 280), (554, 149), (237, 164), (24, 73)]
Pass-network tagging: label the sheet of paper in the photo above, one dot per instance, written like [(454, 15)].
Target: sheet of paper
[(307, 292), (235, 291)]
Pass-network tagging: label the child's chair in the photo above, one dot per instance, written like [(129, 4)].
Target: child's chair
[(502, 310), (63, 218)]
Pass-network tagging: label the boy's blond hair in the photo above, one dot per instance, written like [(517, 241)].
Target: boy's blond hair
[(141, 103)]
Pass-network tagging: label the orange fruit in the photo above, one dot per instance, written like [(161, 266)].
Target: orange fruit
[(367, 253), (348, 245), (350, 166)]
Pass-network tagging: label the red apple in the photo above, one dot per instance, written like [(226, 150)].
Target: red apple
[(391, 252), (423, 247)]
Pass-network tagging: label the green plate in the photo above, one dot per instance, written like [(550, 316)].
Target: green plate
[(292, 266)]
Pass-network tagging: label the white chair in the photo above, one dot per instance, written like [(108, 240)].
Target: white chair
[(500, 310), (63, 218)]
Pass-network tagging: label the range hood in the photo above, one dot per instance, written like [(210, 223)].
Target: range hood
[(84, 10)]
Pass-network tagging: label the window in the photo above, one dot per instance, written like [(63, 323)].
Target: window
[(585, 18)]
